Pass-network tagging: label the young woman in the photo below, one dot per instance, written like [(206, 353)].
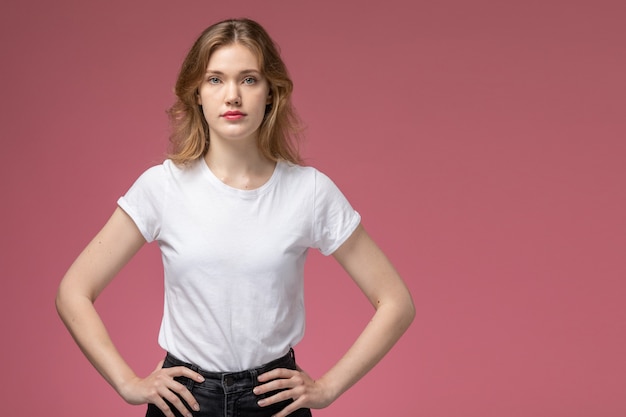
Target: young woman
[(234, 214)]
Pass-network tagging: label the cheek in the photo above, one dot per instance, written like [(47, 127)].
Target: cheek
[(261, 100), (205, 108), (207, 95), (207, 101)]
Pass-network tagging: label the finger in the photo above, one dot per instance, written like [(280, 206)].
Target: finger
[(186, 395), (273, 385), (276, 373), (162, 405), (276, 398), (186, 372), (289, 409), (178, 403), (296, 379)]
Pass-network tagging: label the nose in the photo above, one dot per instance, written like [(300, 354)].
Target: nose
[(233, 97)]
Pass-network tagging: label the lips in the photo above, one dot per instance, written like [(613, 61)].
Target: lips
[(233, 115)]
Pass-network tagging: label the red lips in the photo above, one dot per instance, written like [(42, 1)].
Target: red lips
[(233, 115)]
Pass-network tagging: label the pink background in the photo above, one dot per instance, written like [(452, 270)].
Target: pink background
[(483, 143)]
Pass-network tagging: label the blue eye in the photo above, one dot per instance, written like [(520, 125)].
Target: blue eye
[(213, 80), (249, 81)]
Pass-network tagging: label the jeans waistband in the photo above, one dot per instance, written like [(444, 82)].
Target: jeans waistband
[(286, 361)]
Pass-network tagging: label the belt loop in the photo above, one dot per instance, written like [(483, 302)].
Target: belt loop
[(254, 374)]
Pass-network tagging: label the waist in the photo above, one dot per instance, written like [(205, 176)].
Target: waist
[(287, 361)]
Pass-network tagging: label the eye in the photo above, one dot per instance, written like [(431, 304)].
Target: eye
[(213, 80), (249, 80)]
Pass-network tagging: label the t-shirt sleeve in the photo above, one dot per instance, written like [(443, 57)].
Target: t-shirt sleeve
[(334, 218), (143, 202)]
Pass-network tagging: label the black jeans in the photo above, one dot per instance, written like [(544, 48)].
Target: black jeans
[(230, 394)]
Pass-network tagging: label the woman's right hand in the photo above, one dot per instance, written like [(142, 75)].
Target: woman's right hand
[(160, 386)]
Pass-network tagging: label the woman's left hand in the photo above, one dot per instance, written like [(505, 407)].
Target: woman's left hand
[(296, 385)]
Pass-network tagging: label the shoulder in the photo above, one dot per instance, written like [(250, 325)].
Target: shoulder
[(303, 173), (154, 179), (310, 180), (300, 179), (167, 170)]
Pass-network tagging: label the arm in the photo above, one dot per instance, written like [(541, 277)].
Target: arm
[(94, 268), (377, 278)]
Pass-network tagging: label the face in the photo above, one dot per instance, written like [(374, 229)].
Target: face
[(233, 94)]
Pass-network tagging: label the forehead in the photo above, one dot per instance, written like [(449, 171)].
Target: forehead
[(233, 58)]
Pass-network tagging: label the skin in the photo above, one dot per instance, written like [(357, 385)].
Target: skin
[(233, 82)]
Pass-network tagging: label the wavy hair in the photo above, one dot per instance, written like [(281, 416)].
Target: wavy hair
[(279, 131)]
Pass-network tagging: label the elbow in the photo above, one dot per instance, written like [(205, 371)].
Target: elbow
[(410, 307), (59, 300), (71, 299), (409, 311), (63, 300), (412, 313), (405, 309), (401, 310)]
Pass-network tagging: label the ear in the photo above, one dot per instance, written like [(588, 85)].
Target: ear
[(198, 98), (270, 99)]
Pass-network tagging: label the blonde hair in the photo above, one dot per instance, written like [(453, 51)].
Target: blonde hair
[(279, 131)]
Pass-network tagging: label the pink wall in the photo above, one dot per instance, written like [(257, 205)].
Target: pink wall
[(483, 143)]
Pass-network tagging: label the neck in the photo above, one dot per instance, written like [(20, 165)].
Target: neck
[(241, 167)]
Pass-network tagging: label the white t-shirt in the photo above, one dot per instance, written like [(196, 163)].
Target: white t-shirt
[(234, 259)]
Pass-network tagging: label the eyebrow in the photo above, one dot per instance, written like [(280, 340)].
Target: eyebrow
[(244, 72)]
